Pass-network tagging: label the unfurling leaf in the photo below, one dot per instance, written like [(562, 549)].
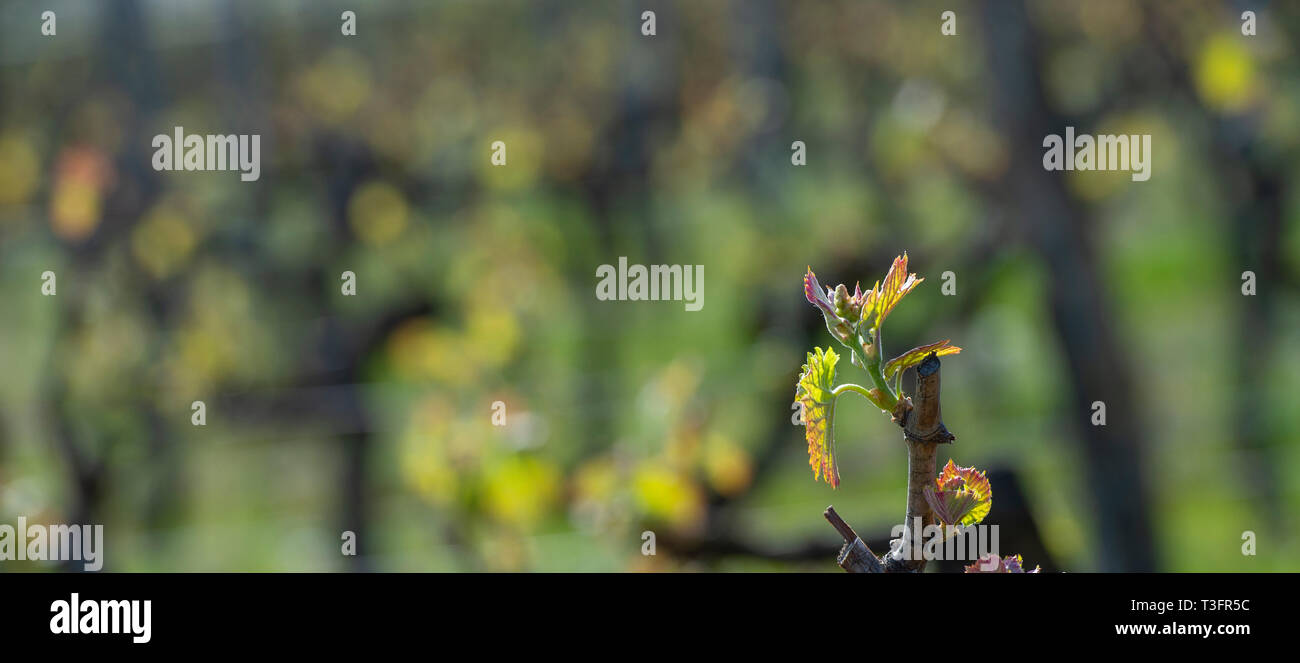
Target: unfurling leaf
[(917, 355), (960, 496), (831, 302), (814, 395), (896, 284), (991, 563), (812, 291)]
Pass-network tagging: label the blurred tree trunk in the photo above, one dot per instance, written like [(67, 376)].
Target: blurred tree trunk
[(616, 189), (1253, 180), (342, 347), (128, 66), (1255, 191), (1115, 453)]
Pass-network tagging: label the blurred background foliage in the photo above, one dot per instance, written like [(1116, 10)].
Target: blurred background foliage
[(475, 284)]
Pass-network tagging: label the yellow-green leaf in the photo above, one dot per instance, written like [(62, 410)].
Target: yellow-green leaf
[(917, 355), (814, 395), (891, 290)]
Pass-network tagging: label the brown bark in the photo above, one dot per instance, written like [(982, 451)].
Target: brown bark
[(855, 556)]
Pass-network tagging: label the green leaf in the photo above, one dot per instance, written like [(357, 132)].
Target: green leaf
[(814, 395), (960, 496), (917, 355)]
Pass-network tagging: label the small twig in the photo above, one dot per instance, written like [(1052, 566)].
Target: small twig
[(855, 556), (840, 526)]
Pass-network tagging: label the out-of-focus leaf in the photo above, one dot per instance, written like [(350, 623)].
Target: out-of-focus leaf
[(378, 212), (163, 241), (83, 174), (1226, 74), (917, 355), (20, 167), (668, 495), (727, 466), (814, 395), (521, 490), (961, 496)]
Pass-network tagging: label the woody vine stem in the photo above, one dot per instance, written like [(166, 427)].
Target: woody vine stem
[(923, 429)]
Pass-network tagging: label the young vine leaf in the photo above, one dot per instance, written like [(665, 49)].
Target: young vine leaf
[(814, 395), (832, 303), (890, 291), (991, 563), (960, 496), (917, 355)]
